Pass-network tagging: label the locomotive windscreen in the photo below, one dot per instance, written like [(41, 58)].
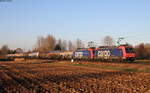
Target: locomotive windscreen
[(129, 50)]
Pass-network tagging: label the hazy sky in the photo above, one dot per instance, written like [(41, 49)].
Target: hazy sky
[(22, 21)]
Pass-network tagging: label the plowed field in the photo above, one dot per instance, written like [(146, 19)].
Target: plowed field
[(66, 77)]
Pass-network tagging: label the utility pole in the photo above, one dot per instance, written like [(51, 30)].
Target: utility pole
[(91, 44), (119, 40)]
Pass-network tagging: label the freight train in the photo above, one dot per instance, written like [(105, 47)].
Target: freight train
[(103, 53)]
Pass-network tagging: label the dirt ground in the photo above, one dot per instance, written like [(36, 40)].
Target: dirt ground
[(66, 77)]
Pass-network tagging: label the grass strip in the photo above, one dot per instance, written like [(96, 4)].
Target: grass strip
[(113, 68)]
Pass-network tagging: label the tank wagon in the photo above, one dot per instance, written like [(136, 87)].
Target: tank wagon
[(33, 54), (16, 55), (59, 55)]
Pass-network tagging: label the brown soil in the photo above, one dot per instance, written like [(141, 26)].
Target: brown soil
[(61, 77)]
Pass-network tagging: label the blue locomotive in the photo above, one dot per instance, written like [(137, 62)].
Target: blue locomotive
[(120, 53)]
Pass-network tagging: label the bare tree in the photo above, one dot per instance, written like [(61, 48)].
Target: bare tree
[(18, 50), (147, 48), (50, 43), (143, 51), (70, 46), (40, 43), (64, 45), (4, 49), (60, 42), (79, 44), (108, 41), (58, 45), (46, 44)]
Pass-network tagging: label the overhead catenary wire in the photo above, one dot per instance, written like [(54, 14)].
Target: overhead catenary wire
[(131, 37)]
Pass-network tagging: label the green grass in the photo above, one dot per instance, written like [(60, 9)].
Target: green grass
[(113, 68), (126, 69)]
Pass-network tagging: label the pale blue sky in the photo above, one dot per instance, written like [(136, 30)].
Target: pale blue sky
[(22, 21)]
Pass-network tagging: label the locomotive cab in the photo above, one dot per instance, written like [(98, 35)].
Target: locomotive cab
[(128, 52), (83, 54)]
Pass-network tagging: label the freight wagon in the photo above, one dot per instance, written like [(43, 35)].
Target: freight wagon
[(33, 54)]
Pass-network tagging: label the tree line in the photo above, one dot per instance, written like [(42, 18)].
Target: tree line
[(142, 51), (50, 43), (4, 50)]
